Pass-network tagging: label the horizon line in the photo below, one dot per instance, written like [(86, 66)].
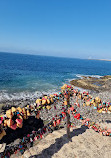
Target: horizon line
[(42, 55), (54, 56)]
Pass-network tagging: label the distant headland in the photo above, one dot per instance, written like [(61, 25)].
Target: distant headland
[(101, 59)]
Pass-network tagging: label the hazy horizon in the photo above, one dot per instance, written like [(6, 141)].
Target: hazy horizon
[(53, 56)]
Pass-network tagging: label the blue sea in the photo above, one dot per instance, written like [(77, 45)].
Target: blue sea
[(27, 76)]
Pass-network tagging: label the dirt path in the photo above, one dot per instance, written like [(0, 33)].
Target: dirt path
[(84, 143)]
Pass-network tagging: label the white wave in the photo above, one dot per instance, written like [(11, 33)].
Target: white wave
[(5, 96), (68, 80), (81, 76)]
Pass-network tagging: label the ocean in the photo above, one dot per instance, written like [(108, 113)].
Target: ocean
[(24, 76)]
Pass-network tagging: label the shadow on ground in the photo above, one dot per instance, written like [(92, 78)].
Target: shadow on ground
[(28, 126), (59, 142), (108, 121)]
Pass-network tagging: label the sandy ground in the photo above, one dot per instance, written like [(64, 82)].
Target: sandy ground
[(84, 143)]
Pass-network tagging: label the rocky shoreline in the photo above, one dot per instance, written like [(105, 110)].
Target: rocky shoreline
[(99, 87), (103, 91), (93, 83)]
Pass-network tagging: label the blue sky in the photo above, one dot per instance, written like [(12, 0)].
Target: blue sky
[(69, 28)]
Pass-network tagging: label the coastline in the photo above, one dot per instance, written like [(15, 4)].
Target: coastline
[(21, 99), (86, 111), (101, 59), (96, 84), (81, 132), (101, 88)]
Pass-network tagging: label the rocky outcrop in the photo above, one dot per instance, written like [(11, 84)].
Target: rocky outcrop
[(93, 83)]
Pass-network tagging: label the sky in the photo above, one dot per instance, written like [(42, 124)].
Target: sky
[(65, 28)]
